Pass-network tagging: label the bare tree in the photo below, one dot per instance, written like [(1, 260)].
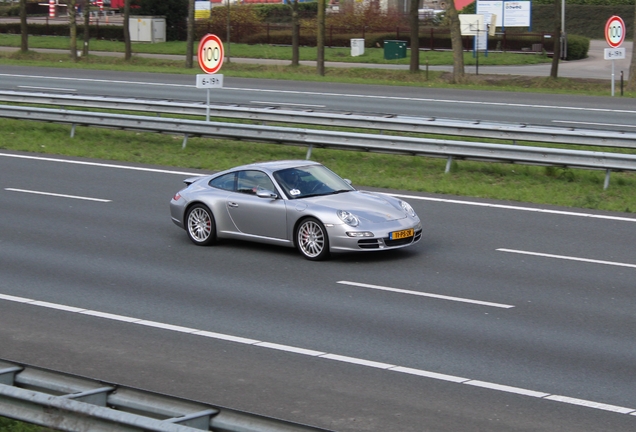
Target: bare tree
[(190, 42), (631, 79), (414, 22), (320, 38), (24, 29), (128, 47), (86, 7), (295, 34), (72, 28), (554, 70), (456, 42)]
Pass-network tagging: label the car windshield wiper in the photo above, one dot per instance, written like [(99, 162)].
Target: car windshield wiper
[(324, 194)]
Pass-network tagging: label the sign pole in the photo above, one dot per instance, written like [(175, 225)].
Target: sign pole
[(207, 108), (612, 77)]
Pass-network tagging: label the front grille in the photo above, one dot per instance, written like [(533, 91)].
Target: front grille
[(400, 242), (369, 244), (379, 243)]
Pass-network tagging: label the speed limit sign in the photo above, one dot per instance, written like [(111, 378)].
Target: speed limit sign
[(210, 53), (615, 31)]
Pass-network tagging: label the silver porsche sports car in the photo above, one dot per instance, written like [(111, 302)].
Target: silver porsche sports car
[(294, 203)]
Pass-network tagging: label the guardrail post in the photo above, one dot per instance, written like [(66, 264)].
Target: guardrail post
[(607, 179), (449, 162), (73, 130), (309, 152), (185, 141), (7, 375)]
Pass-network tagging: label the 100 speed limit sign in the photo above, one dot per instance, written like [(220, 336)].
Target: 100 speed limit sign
[(615, 31), (210, 53)]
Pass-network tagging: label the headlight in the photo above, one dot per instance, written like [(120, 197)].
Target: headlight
[(407, 208), (348, 218)]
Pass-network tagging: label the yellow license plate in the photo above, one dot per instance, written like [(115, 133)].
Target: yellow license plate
[(397, 235)]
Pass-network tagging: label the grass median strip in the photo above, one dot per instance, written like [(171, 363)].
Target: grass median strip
[(541, 185)]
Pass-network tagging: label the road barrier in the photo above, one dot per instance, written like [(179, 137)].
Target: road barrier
[(71, 403), (311, 138), (402, 124)]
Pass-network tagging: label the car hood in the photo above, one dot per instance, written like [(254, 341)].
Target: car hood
[(367, 206)]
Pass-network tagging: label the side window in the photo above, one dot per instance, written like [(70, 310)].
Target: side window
[(251, 181), (225, 182)]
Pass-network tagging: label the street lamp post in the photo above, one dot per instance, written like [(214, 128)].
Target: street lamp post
[(564, 38)]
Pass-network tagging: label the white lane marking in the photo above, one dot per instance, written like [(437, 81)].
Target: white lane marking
[(423, 294), (507, 389), (48, 88), (98, 164), (326, 356), (56, 195), (591, 404), (414, 197), (595, 124), (398, 98), (510, 207), (287, 104), (570, 258), (50, 78)]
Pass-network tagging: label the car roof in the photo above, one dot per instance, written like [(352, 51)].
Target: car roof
[(276, 165)]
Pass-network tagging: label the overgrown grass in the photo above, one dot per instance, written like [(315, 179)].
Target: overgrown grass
[(566, 187), (8, 425)]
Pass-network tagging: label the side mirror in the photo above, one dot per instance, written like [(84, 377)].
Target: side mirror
[(348, 181), (264, 193)]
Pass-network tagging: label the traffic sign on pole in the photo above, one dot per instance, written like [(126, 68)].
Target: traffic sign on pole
[(210, 53), (615, 31)]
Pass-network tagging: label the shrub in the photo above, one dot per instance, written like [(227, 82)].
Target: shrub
[(578, 46)]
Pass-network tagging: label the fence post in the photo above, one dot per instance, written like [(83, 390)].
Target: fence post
[(503, 48)]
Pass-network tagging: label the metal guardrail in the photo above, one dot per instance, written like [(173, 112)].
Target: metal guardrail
[(72, 403), (340, 140), (403, 124)]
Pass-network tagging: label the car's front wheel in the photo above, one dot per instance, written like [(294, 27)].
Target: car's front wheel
[(200, 225), (312, 240)]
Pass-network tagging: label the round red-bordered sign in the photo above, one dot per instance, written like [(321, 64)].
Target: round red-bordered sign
[(615, 31), (210, 53)]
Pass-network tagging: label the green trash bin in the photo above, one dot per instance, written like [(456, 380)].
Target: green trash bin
[(394, 49)]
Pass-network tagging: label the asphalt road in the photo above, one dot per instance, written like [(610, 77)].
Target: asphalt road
[(505, 317)]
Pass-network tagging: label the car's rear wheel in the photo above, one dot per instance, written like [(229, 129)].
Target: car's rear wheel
[(200, 225), (312, 240)]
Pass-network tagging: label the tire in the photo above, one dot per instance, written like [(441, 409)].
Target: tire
[(200, 225), (312, 240)]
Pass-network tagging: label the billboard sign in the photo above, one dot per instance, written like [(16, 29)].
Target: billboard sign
[(508, 13)]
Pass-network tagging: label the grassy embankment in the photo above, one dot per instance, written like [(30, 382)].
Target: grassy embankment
[(567, 187)]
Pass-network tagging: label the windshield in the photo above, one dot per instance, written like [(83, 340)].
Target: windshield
[(312, 180)]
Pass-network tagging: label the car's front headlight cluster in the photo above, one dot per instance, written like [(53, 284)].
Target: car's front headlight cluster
[(348, 218), (407, 208)]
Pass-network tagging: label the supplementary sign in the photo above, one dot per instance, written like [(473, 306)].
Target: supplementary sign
[(209, 81), (614, 54)]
